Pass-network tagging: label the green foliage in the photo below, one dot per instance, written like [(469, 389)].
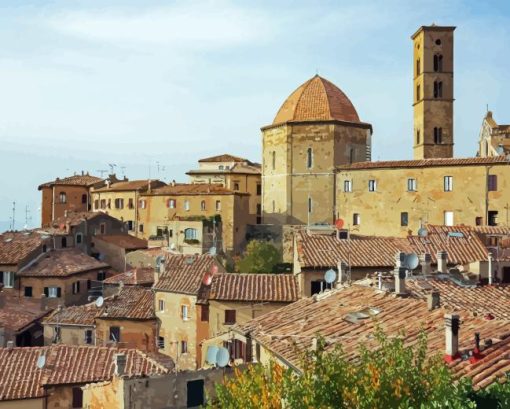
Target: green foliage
[(391, 375), (259, 257)]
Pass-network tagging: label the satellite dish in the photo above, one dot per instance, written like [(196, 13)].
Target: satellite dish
[(500, 150), (411, 261), (160, 260), (339, 223), (422, 232), (222, 357), (207, 279), (41, 361), (212, 352), (172, 246), (212, 251), (99, 301), (330, 276)]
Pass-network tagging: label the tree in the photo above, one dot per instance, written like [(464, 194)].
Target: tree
[(391, 375), (259, 257)]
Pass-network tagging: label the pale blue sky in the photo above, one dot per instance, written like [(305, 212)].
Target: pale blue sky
[(87, 83)]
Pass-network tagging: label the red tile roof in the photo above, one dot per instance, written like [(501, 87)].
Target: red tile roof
[(192, 189), (184, 274), (74, 219), (128, 185), (18, 313), (132, 303), (16, 246), (135, 276), (419, 163), (317, 100), (62, 263), (291, 329), (226, 157), (20, 378), (75, 180), (126, 241), (254, 287)]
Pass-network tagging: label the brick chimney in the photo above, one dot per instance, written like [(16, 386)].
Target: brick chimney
[(119, 361), (433, 300), (452, 324), (426, 263), (442, 262), (400, 274)]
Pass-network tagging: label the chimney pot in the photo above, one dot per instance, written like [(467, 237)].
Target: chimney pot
[(442, 262), (433, 300), (426, 263), (400, 281), (452, 324), (10, 344), (343, 270), (120, 364)]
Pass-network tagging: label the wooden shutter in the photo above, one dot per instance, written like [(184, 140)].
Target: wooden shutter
[(46, 291), (59, 292)]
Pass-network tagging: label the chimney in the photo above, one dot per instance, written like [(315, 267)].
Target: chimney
[(490, 269), (400, 274), (379, 280), (452, 323), (10, 344), (433, 300), (426, 263), (343, 270), (173, 182), (442, 262), (82, 173), (120, 364)]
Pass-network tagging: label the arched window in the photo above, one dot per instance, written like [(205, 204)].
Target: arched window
[(309, 158), (438, 89), (171, 203), (62, 197), (202, 205), (438, 135), (438, 63), (84, 199), (274, 159)]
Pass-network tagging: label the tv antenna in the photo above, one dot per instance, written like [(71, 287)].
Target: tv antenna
[(123, 170), (112, 168), (13, 217), (101, 172), (28, 217)]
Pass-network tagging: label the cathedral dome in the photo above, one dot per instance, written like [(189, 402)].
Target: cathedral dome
[(317, 100)]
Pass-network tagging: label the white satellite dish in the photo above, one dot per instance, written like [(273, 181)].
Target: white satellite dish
[(330, 276), (222, 357), (41, 361), (172, 246), (160, 260), (212, 352), (99, 301), (212, 251), (422, 232), (500, 150), (411, 261)]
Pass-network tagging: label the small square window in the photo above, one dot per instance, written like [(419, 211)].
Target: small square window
[(411, 185), (230, 317), (448, 183), (184, 347), (28, 291), (404, 219)]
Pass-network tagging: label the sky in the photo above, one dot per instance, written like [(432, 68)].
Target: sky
[(150, 87)]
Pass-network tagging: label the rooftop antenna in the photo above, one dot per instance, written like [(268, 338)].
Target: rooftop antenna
[(13, 217), (101, 172), (123, 169), (112, 168), (28, 217)]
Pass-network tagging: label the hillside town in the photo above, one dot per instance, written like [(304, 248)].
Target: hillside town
[(130, 294)]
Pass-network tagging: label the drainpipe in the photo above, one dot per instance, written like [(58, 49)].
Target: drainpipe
[(490, 268)]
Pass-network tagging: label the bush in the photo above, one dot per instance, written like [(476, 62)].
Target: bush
[(259, 257)]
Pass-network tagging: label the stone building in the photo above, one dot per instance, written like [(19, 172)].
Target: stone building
[(67, 194), (114, 248), (494, 139), (316, 129)]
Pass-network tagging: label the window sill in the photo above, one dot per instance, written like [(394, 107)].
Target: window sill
[(229, 323)]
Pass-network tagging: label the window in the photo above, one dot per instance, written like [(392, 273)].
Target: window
[(8, 279), (356, 219), (162, 231), (492, 183), (372, 185), (221, 167), (204, 317), (347, 185), (218, 205), (119, 203), (103, 203), (478, 221), (130, 225), (79, 238), (63, 242), (309, 158), (161, 305), (438, 63), (411, 185), (142, 203), (161, 342), (62, 197), (56, 335), (186, 205), (404, 219), (84, 199), (417, 136), (418, 92), (171, 203), (102, 228), (28, 291), (418, 68), (274, 159), (52, 292), (101, 276), (190, 234), (202, 205), (115, 334), (236, 185), (448, 183), (438, 135), (88, 336), (351, 155), (438, 89), (438, 42), (448, 218), (89, 284), (109, 204), (77, 397), (184, 347), (131, 205), (309, 204), (230, 317), (492, 218), (259, 189), (76, 287), (184, 312), (96, 204), (140, 227), (44, 248)]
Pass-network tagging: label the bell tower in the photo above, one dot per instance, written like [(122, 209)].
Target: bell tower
[(433, 92)]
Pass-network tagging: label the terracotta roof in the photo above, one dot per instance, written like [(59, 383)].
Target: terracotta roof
[(75, 180), (135, 276), (238, 168), (492, 230), (226, 157), (68, 364), (254, 287), (126, 241), (132, 302), (190, 189), (291, 329), (62, 263), (140, 185), (325, 250), (18, 313), (421, 163), (74, 219), (16, 246), (317, 100), (184, 274)]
